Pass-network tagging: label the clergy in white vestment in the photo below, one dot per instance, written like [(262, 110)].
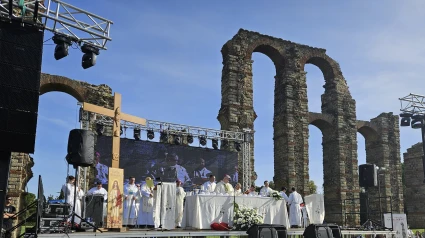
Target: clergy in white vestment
[(294, 202), (201, 171), (145, 217), (238, 189), (100, 190), (266, 190), (210, 185), (304, 216), (68, 191), (130, 197), (224, 187), (250, 191), (283, 194), (180, 195)]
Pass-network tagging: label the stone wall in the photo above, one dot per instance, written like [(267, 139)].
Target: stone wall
[(337, 121), (415, 188), (21, 163)]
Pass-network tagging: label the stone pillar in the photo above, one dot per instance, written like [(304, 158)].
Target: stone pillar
[(339, 147), (20, 174), (237, 111), (415, 188)]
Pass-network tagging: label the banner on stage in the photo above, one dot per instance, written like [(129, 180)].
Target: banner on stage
[(141, 159), (115, 198), (400, 224)]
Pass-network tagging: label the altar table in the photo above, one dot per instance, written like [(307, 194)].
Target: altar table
[(202, 210)]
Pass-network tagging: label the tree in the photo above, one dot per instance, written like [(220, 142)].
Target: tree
[(312, 187), (29, 199)]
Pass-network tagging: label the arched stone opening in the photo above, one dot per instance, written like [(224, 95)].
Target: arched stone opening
[(291, 111)]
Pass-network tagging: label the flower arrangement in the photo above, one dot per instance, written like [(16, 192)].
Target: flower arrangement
[(245, 217), (276, 195)]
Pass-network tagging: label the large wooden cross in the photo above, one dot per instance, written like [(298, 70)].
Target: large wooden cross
[(117, 116)]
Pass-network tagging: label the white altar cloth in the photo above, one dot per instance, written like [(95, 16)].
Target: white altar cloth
[(200, 211)]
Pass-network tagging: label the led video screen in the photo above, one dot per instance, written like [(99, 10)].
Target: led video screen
[(141, 159)]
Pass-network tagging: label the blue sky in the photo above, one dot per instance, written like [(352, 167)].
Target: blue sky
[(165, 60)]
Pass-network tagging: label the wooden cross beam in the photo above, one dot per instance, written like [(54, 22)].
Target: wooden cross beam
[(117, 115)]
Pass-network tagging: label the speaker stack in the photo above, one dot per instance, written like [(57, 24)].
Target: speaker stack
[(368, 176), (21, 49)]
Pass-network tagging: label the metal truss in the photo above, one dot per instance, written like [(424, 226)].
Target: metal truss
[(64, 19), (170, 128), (246, 165), (177, 129), (413, 103)]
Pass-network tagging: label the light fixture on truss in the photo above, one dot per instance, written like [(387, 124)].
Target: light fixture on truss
[(136, 133), (214, 143), (100, 129), (89, 57), (238, 146), (150, 134), (62, 46), (177, 139), (202, 140), (189, 139)]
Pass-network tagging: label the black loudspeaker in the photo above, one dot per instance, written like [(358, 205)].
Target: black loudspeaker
[(94, 208), (368, 176), (322, 231), (267, 231), (81, 148), (21, 49)]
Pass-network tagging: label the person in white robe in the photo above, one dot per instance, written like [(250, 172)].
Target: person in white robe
[(250, 191), (294, 202), (145, 217), (304, 215), (130, 197), (224, 187), (138, 200), (100, 190), (283, 194), (180, 195), (180, 171), (266, 190), (201, 171), (210, 185), (238, 189), (68, 191)]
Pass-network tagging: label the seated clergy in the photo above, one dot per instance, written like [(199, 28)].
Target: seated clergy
[(145, 217), (224, 187), (209, 185), (238, 191), (266, 190), (250, 191)]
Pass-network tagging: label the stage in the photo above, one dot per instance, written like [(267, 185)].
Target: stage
[(191, 233)]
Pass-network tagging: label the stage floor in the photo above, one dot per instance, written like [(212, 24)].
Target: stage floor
[(133, 233)]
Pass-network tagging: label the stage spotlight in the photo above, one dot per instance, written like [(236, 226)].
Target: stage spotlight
[(164, 136), (177, 140), (238, 146), (90, 55), (151, 134), (189, 139), (136, 134), (100, 129), (202, 140), (416, 123), (62, 46), (405, 119), (215, 144)]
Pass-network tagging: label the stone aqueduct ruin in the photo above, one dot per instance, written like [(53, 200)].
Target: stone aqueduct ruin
[(337, 121)]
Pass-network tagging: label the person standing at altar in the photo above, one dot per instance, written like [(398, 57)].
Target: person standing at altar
[(224, 187), (180, 195), (102, 170), (294, 202), (209, 185), (100, 190), (238, 191), (266, 190), (145, 217), (130, 197), (283, 194)]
